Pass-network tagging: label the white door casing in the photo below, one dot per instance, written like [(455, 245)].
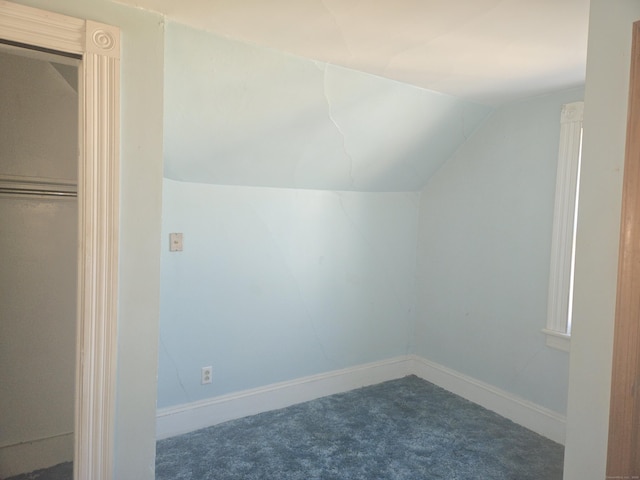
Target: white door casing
[(98, 45)]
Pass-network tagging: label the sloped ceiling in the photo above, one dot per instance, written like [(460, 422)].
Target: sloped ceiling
[(236, 114), (350, 95), (485, 51)]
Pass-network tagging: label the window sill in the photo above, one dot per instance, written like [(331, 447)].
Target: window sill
[(557, 340)]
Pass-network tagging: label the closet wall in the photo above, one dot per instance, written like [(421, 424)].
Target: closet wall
[(38, 239)]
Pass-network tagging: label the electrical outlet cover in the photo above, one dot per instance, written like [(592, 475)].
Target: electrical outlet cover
[(206, 375)]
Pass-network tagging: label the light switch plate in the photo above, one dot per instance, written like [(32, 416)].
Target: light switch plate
[(175, 242)]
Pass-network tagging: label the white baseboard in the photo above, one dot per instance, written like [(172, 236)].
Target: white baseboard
[(186, 418), (30, 456), (541, 420)]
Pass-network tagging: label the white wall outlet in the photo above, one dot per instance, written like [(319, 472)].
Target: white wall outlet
[(175, 242), (207, 373)]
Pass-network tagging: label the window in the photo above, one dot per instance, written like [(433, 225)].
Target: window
[(559, 306)]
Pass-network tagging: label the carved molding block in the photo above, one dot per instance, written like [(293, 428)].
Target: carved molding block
[(572, 112), (102, 39)]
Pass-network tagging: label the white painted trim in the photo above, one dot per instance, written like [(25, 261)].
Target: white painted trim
[(98, 201), (557, 340), (42, 29), (36, 454), (98, 204), (541, 420), (193, 416), (563, 222)]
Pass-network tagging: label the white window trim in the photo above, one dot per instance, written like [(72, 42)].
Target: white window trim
[(559, 304)]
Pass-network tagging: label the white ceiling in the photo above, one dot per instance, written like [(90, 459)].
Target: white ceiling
[(487, 51)]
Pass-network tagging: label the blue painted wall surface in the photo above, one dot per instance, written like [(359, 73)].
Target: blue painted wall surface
[(296, 186), (276, 284), (236, 114), (484, 253)]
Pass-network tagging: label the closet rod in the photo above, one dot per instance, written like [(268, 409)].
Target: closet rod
[(39, 192)]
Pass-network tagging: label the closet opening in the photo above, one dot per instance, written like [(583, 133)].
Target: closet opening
[(39, 243)]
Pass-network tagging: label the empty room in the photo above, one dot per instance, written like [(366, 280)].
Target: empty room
[(337, 239)]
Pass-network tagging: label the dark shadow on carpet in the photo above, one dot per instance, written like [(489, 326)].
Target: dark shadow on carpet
[(62, 471), (398, 430)]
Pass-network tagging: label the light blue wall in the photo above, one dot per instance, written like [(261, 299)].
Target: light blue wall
[(276, 284), (484, 253), (140, 214), (384, 227), (236, 114)]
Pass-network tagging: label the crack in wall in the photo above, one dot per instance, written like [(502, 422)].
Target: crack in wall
[(333, 120), (175, 367)]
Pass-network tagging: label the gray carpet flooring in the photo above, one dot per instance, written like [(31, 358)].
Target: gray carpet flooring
[(398, 430), (62, 471)]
